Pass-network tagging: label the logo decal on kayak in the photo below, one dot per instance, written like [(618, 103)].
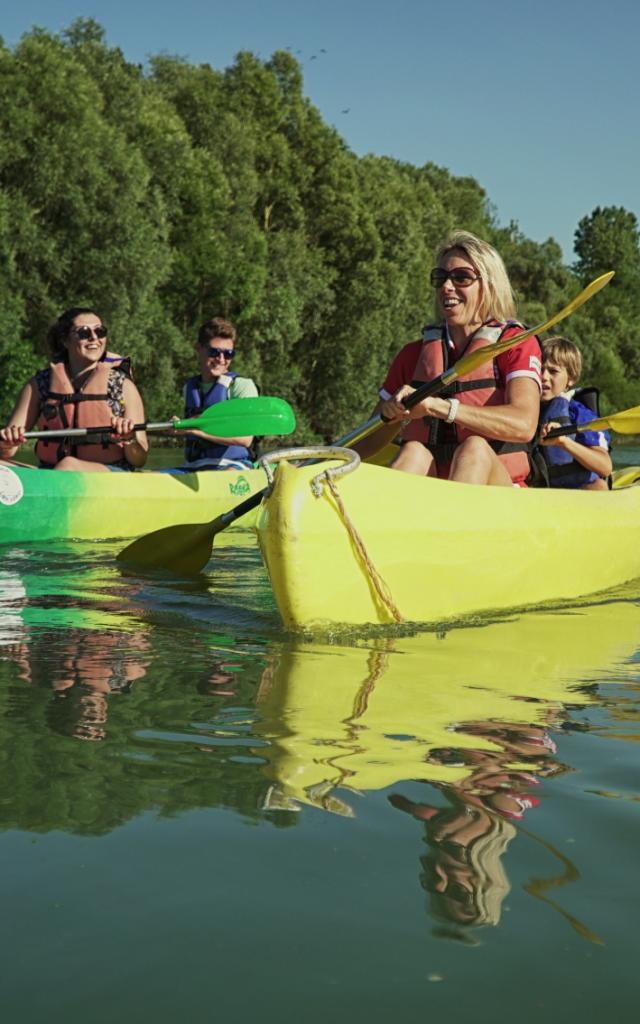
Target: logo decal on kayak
[(11, 489), (240, 487)]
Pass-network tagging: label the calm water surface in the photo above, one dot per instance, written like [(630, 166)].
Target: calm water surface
[(203, 815)]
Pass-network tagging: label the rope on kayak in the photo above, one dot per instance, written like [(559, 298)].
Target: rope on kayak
[(351, 461), (380, 587)]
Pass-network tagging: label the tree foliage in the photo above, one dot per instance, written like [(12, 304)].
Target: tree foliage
[(169, 194)]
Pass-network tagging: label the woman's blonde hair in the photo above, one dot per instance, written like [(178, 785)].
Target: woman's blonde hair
[(487, 878), (497, 300)]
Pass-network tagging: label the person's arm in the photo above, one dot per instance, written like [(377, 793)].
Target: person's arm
[(244, 441), (135, 444), (24, 415), (515, 421), (596, 459), (398, 374)]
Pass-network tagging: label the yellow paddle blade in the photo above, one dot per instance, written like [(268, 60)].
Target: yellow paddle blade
[(626, 422), (626, 477)]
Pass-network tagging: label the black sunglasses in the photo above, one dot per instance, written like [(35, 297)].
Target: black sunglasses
[(222, 353), (463, 278), (88, 332)]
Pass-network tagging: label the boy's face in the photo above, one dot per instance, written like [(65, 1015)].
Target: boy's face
[(555, 380), (212, 359)]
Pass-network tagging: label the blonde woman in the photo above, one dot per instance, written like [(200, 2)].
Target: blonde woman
[(478, 429)]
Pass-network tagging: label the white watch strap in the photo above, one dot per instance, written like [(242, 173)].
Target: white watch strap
[(453, 410)]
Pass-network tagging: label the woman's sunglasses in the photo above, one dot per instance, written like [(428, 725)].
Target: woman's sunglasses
[(84, 333), (459, 276), (222, 353)]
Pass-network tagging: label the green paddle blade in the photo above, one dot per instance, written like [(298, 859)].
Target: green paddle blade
[(242, 416)]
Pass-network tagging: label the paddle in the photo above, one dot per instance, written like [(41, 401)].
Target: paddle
[(187, 547), (236, 418), (625, 422)]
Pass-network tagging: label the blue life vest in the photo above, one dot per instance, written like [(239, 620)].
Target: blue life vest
[(563, 470), (196, 448)]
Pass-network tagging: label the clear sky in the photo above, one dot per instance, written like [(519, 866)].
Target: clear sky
[(538, 100)]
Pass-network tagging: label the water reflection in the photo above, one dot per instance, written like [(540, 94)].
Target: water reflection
[(82, 664), (121, 696), (475, 716), (468, 835), (91, 672), (118, 696)]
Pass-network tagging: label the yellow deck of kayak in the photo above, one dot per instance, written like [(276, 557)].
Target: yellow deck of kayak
[(442, 550)]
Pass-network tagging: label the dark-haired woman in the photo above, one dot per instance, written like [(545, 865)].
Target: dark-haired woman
[(83, 386)]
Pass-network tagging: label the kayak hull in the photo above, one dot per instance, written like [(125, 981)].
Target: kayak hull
[(441, 551), (38, 505)]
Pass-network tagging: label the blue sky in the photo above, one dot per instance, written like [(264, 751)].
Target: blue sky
[(537, 101)]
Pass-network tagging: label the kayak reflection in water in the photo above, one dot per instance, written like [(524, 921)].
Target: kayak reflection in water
[(463, 870)]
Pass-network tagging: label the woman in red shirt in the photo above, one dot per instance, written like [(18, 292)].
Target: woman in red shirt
[(477, 430)]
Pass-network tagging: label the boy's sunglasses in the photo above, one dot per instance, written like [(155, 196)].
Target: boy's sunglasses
[(461, 277), (88, 332), (222, 353)]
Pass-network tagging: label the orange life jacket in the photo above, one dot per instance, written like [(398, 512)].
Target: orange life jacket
[(92, 405), (482, 386)]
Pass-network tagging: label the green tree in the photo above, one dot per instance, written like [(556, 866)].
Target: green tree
[(608, 239)]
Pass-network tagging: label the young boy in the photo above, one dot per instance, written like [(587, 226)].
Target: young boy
[(579, 461), (216, 382)]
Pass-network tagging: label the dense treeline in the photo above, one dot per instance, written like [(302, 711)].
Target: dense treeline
[(167, 194)]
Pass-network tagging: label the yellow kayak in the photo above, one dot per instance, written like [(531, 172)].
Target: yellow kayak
[(378, 546)]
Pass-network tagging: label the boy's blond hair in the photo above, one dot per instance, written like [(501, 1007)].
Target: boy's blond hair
[(564, 354)]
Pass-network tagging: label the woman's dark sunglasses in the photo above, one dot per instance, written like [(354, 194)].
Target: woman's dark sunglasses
[(222, 353), (84, 333), (463, 278)]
